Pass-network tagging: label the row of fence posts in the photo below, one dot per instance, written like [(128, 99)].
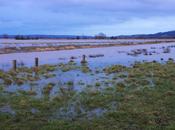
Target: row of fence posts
[(37, 62)]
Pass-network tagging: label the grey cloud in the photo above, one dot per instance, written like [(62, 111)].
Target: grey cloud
[(76, 16)]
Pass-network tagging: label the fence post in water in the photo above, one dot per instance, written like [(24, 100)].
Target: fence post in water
[(36, 62), (14, 65), (36, 65), (84, 59)]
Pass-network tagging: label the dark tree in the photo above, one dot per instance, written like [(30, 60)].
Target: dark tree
[(5, 36), (100, 36)]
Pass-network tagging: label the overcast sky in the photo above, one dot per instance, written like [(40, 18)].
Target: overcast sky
[(86, 17)]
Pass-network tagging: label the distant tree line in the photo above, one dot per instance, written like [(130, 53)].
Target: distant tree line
[(22, 37), (35, 37), (18, 37), (5, 36), (101, 35)]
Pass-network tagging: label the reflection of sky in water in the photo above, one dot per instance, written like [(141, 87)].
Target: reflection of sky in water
[(112, 55), (5, 43), (60, 80)]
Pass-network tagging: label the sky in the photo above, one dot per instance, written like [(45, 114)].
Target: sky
[(86, 17)]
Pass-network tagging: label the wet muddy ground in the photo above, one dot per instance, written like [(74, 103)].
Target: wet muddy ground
[(17, 46), (116, 88), (96, 57)]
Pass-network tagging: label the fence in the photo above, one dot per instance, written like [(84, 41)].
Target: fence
[(14, 62)]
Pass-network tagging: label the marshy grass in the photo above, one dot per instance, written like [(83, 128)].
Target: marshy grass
[(144, 99)]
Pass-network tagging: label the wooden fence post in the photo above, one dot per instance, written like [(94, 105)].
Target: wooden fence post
[(14, 65), (84, 59), (36, 62), (36, 68)]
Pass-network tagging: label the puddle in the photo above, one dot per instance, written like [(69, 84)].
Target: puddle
[(7, 109)]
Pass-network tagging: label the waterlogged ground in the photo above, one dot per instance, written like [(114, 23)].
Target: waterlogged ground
[(6, 43), (73, 97), (118, 88), (96, 57), (8, 46)]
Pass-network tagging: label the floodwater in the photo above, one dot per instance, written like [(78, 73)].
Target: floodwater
[(6, 43), (124, 55), (97, 58)]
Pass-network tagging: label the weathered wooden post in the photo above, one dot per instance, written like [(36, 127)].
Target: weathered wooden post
[(14, 65), (36, 62), (84, 59), (36, 66)]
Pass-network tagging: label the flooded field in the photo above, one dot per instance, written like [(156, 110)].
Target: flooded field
[(87, 65), (5, 43), (96, 57), (8, 46), (125, 87)]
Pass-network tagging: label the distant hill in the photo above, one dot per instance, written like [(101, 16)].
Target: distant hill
[(169, 34)]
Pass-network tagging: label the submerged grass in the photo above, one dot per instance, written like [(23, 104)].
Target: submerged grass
[(143, 100)]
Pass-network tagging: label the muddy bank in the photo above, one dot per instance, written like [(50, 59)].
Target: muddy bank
[(41, 49), (8, 50)]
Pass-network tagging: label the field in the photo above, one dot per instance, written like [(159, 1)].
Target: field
[(16, 46), (124, 85)]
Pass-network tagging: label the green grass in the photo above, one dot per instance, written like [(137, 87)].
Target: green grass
[(143, 100)]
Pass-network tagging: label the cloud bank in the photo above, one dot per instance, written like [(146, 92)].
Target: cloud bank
[(86, 17)]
